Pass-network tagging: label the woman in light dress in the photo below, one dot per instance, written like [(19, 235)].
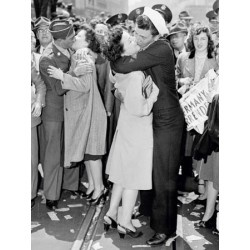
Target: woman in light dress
[(129, 164)]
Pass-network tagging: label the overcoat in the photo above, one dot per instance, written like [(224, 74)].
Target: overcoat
[(130, 158), (84, 116)]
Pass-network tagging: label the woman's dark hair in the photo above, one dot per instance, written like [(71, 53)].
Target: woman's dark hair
[(196, 30), (143, 22), (112, 48), (94, 44)]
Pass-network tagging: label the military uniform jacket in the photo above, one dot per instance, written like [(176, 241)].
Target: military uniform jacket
[(54, 96)]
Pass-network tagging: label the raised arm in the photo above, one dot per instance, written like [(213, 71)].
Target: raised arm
[(154, 55)]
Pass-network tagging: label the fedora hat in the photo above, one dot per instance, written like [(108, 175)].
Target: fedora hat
[(185, 15), (179, 27), (135, 13), (117, 19), (164, 10)]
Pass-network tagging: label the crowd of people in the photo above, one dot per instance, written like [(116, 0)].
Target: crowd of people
[(106, 98)]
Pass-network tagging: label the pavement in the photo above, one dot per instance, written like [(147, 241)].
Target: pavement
[(76, 225)]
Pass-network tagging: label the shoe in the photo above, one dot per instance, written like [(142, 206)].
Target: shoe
[(98, 199), (51, 205), (159, 239), (109, 223), (88, 196), (32, 203), (136, 215), (129, 232), (211, 223)]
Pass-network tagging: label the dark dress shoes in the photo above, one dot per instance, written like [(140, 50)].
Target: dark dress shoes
[(159, 239), (51, 205)]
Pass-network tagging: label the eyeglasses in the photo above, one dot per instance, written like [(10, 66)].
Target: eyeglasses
[(43, 31)]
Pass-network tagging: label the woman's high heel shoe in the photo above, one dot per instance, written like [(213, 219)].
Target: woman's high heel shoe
[(109, 223), (211, 223), (88, 196), (98, 199), (129, 232)]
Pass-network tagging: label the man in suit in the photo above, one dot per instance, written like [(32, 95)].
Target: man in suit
[(156, 59), (58, 56), (177, 37)]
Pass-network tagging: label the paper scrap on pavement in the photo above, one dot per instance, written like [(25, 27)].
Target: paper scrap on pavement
[(40, 169), (63, 209), (75, 205), (68, 217), (193, 237), (137, 246), (34, 224), (195, 214), (64, 200), (72, 231), (53, 216), (136, 223), (73, 197), (197, 207), (184, 200), (97, 246), (84, 214), (40, 192), (144, 223)]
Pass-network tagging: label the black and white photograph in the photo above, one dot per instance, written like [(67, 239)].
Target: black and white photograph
[(124, 126)]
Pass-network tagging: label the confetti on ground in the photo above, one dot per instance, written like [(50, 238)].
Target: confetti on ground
[(68, 217), (34, 224), (144, 223), (195, 214), (97, 246), (64, 200), (40, 169), (73, 197), (72, 231), (85, 184), (75, 205), (197, 207), (40, 192), (84, 214), (193, 237), (136, 223), (63, 209), (137, 246), (53, 216)]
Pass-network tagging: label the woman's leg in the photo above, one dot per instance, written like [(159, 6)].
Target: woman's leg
[(96, 173), (211, 199), (116, 197), (90, 178), (129, 197)]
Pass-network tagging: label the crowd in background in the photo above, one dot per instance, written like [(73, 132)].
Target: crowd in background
[(99, 92)]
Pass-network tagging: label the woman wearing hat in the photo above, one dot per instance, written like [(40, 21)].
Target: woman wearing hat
[(129, 164), (192, 66), (85, 119)]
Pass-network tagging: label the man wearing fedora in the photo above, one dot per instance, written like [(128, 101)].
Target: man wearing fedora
[(185, 16), (177, 37), (58, 56)]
